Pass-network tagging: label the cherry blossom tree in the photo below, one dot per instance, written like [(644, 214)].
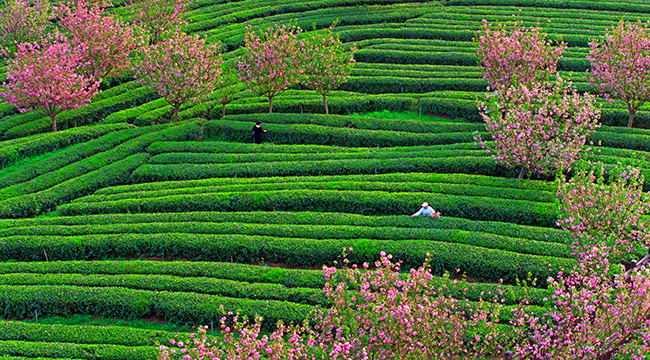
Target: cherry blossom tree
[(512, 53), (327, 63), (375, 314), (105, 40), (620, 65), (181, 69), (595, 315), (24, 20), (157, 19), (45, 77), (604, 207), (540, 127), (271, 60), (227, 86)]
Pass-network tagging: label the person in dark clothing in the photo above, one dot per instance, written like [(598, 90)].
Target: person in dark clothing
[(257, 132)]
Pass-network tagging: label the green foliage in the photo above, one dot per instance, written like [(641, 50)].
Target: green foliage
[(92, 113), (180, 308), (359, 202), (224, 130), (476, 165), (10, 153), (484, 263)]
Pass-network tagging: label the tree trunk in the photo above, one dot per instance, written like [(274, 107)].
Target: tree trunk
[(327, 110), (270, 104), (522, 173), (53, 123), (176, 109), (631, 119), (223, 110)]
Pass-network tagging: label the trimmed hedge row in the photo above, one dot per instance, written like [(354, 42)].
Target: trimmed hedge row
[(477, 262), (114, 335), (180, 308), (560, 4), (54, 141), (129, 115), (311, 231), (217, 270), (221, 287), (249, 273), (455, 104), (97, 163), (483, 165), (7, 110), (321, 135), (89, 114), (114, 92), (63, 351), (404, 186), (43, 201), (355, 122), (203, 158), (305, 218), (384, 83), (72, 154), (390, 177), (359, 202), (221, 147)]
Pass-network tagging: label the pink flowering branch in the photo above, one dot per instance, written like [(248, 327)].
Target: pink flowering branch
[(620, 62), (327, 64), (540, 127), (105, 40), (512, 53), (157, 19), (599, 208), (181, 69), (595, 315), (375, 314), (271, 61), (24, 20), (46, 77)]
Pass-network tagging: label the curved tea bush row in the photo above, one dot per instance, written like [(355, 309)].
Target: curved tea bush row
[(559, 4), (180, 308), (92, 113), (435, 103), (221, 287), (74, 153), (115, 173), (229, 148), (68, 351), (482, 165), (415, 186), (50, 142), (202, 158), (114, 335), (303, 218), (360, 202), (477, 262), (42, 201), (322, 135), (290, 278), (524, 246), (247, 273), (355, 122), (97, 161), (390, 177)]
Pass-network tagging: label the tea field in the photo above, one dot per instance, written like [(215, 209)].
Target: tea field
[(125, 215)]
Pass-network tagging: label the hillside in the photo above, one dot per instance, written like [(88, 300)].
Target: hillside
[(125, 215)]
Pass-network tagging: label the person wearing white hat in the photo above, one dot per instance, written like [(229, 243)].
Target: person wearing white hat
[(426, 210)]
